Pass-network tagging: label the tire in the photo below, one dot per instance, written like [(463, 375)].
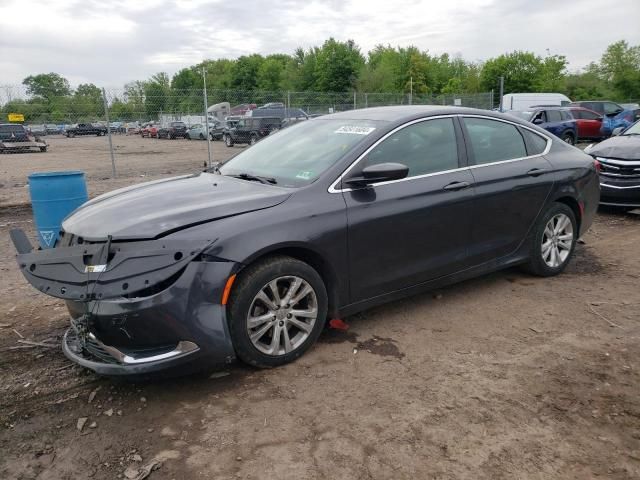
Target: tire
[(568, 137), (253, 140), (43, 149), (202, 136), (541, 259), (187, 136), (244, 302), (228, 141)]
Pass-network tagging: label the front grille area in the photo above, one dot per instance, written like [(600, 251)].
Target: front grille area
[(618, 168)]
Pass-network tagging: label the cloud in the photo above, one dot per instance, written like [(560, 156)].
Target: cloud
[(110, 43)]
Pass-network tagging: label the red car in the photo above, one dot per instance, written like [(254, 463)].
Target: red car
[(588, 122), (149, 130)]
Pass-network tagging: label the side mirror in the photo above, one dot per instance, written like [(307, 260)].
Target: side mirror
[(617, 131), (382, 172), (537, 121)]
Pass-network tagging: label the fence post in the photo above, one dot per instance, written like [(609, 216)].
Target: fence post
[(501, 92), (206, 115), (355, 100), (106, 114)]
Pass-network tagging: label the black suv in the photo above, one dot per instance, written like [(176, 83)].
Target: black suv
[(174, 130), (250, 130)]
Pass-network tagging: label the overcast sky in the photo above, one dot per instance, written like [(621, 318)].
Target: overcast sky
[(110, 42)]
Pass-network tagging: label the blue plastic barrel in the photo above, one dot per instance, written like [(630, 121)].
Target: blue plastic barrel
[(54, 195)]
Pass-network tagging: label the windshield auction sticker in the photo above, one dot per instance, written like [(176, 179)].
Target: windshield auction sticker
[(355, 130)]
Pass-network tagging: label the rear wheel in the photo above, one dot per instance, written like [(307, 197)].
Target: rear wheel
[(228, 141), (43, 149), (253, 139), (568, 137), (202, 136), (555, 236), (277, 311)]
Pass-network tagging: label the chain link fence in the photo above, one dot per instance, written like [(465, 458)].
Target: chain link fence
[(137, 104)]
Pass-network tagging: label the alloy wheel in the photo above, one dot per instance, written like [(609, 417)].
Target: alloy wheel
[(557, 240), (282, 315)]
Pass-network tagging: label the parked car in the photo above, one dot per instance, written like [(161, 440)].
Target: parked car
[(634, 107), (555, 120), (242, 109), (53, 129), (38, 130), (86, 129), (589, 123), (197, 132), (272, 105), (149, 130), (173, 130), (249, 259), (281, 113), (527, 101), (218, 129), (16, 138), (617, 116), (250, 130), (619, 158)]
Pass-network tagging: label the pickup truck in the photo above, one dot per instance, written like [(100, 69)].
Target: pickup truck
[(86, 129)]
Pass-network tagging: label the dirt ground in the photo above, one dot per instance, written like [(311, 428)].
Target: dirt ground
[(502, 377), (137, 160)]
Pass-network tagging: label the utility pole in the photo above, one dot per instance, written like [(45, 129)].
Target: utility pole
[(501, 92), (206, 116), (106, 113)]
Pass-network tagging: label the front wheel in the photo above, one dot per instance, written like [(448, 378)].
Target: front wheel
[(568, 138), (253, 140), (43, 149), (555, 236), (228, 141), (277, 311), (202, 136)]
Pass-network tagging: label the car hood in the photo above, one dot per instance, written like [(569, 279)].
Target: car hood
[(154, 209), (624, 147)]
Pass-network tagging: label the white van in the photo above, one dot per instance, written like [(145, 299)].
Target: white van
[(525, 101)]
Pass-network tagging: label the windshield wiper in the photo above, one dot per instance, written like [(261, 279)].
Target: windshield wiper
[(255, 178)]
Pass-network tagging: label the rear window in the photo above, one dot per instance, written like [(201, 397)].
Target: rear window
[(178, 124), (11, 128), (535, 143)]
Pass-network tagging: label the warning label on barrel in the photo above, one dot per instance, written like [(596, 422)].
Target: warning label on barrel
[(47, 236)]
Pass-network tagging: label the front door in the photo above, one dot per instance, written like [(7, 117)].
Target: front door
[(405, 232)]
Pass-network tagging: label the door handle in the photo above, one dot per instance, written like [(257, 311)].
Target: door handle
[(453, 186), (535, 172)]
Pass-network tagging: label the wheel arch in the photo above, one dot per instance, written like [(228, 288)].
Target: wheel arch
[(574, 205), (310, 256)]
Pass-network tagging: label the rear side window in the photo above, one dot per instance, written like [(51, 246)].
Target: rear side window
[(494, 141), (554, 116), (535, 143), (566, 115), (578, 114), (424, 147)]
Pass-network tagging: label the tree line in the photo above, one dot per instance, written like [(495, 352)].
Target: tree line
[(334, 66)]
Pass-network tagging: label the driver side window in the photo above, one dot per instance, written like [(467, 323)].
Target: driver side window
[(425, 147)]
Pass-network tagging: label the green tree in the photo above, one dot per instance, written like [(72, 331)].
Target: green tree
[(47, 85), (519, 69), (271, 72), (244, 73), (157, 94), (620, 65), (337, 66)]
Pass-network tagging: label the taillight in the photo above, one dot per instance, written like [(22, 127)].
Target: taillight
[(598, 166)]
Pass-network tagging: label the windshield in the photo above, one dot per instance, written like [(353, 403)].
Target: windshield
[(300, 154), (633, 129), (11, 128), (523, 115)]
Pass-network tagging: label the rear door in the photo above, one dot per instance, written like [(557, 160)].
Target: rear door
[(589, 124), (405, 232), (512, 181)]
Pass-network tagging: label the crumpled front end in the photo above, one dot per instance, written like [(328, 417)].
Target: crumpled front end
[(136, 307)]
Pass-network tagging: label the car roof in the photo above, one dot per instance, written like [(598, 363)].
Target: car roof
[(402, 112)]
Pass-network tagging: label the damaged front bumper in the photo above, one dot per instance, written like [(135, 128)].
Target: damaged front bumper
[(136, 307)]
